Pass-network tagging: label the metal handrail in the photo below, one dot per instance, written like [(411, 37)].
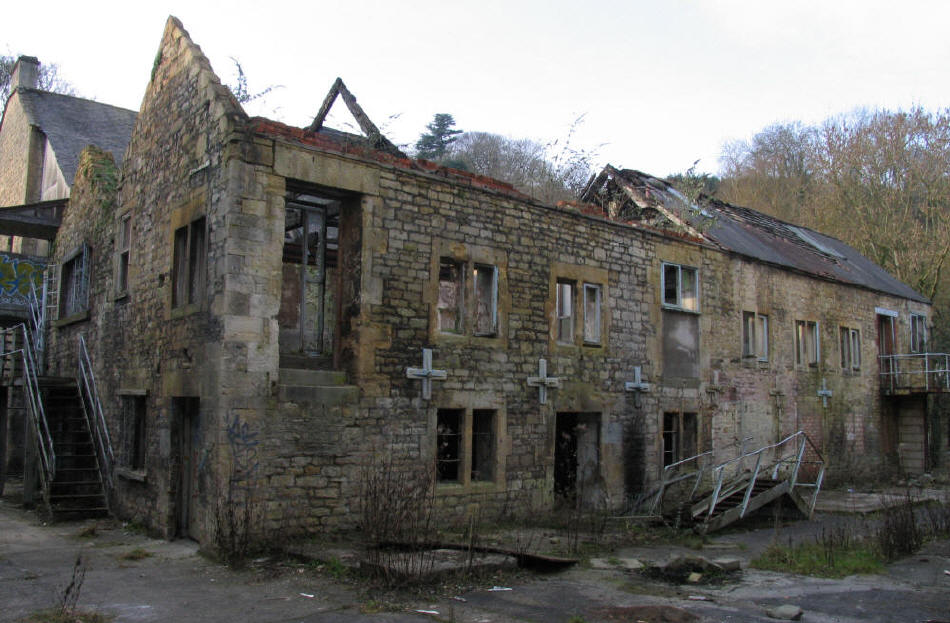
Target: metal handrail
[(667, 480), (96, 419), (34, 401), (936, 377), (797, 458)]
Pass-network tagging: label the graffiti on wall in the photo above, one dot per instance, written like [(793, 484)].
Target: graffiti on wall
[(16, 275)]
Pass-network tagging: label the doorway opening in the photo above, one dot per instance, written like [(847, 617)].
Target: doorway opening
[(577, 456), (187, 431)]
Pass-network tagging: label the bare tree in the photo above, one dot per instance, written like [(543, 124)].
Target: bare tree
[(879, 181)]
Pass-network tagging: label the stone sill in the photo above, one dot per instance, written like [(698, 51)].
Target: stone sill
[(68, 320), (185, 310), (138, 475)]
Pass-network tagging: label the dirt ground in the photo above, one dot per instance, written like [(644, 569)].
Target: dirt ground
[(134, 578)]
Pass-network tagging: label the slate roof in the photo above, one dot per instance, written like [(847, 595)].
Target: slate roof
[(759, 236), (72, 123)]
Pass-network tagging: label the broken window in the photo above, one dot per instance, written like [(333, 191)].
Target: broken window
[(564, 302), (465, 440), (485, 300), (123, 249), (850, 340), (680, 287), (592, 313), (74, 283), (680, 433), (807, 343), (483, 445), (918, 333), (188, 263), (755, 335), (448, 444), (133, 432), (451, 304)]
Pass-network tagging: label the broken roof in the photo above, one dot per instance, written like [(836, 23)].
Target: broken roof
[(749, 233), (72, 123)]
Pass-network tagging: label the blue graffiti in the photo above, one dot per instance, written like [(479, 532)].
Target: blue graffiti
[(244, 452)]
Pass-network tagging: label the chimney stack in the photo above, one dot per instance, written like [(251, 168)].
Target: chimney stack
[(26, 73)]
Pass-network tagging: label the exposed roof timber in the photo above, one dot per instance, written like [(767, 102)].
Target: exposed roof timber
[(376, 137), (33, 220)]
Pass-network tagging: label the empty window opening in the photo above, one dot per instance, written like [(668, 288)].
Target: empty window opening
[(679, 437), (850, 341), (448, 444), (450, 303), (680, 287), (564, 295), (188, 264), (486, 300), (483, 445), (122, 259), (592, 314), (133, 432), (807, 344)]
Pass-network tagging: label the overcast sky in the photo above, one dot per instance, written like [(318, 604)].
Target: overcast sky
[(660, 84)]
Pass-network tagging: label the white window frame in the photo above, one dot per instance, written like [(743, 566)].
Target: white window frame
[(755, 336), (805, 329), (679, 304), (597, 290), (565, 315), (493, 331), (849, 340)]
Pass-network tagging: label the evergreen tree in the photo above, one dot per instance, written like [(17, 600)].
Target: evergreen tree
[(433, 144)]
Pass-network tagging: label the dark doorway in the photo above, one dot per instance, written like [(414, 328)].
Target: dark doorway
[(886, 339), (185, 415), (577, 456)]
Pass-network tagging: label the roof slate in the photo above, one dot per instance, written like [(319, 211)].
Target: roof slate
[(72, 123), (762, 237)]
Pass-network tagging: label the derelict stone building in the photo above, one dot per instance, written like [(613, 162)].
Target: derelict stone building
[(268, 310)]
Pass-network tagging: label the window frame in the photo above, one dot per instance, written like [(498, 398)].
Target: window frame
[(460, 304), (472, 449), (918, 333), (493, 302), (123, 254), (568, 320), (849, 343), (69, 283), (597, 314), (680, 303), (679, 450), (189, 263), (755, 336), (807, 329)]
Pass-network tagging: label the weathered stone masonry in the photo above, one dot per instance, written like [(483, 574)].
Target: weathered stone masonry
[(225, 409)]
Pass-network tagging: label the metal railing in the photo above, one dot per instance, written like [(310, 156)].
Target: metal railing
[(915, 372), (95, 417), (32, 398), (673, 473), (724, 489)]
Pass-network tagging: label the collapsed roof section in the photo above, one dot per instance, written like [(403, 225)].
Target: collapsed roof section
[(643, 200)]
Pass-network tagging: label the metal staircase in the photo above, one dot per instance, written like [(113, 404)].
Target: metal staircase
[(724, 492), (73, 453)]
